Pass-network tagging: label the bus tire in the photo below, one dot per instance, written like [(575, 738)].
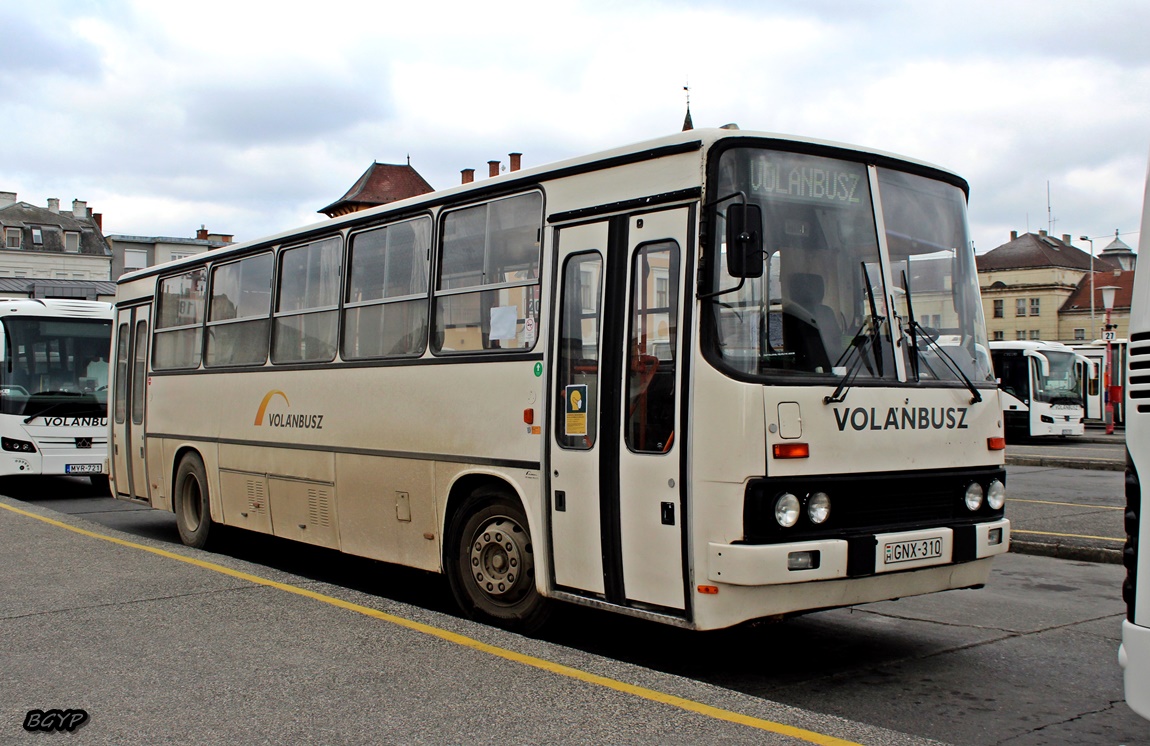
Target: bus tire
[(101, 483), (192, 506), (490, 563)]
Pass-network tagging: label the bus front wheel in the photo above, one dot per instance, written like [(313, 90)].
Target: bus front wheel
[(193, 515), (491, 563)]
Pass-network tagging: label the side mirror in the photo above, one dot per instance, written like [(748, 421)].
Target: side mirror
[(744, 240)]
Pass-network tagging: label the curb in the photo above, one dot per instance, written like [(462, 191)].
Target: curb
[(1067, 551), (1097, 464)]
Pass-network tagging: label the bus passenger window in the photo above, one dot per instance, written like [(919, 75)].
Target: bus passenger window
[(487, 292)]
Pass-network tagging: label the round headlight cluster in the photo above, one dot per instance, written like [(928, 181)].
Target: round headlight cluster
[(818, 507), (789, 508), (996, 495), (973, 497)]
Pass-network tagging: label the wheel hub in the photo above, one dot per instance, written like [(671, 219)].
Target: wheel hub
[(496, 557)]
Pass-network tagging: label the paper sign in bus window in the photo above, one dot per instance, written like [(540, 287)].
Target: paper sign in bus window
[(504, 320), (575, 422)]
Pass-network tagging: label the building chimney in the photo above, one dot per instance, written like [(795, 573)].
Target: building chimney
[(202, 233), (7, 198), (493, 168), (79, 209), (515, 160), (1041, 233), (1014, 235), (1066, 238), (468, 175), (98, 219), (54, 205)]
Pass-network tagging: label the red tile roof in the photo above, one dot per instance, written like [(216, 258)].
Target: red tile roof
[(1079, 300), (381, 183)]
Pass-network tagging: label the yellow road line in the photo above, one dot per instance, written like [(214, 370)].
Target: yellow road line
[(1072, 505), (527, 660), (1067, 536)]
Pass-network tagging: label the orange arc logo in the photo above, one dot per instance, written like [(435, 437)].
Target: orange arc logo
[(264, 404)]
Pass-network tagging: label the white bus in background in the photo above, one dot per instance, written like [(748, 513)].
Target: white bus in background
[(1096, 393), (1044, 395), (679, 379), (1134, 654), (54, 387)]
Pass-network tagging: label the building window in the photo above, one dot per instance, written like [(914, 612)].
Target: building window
[(1020, 307), (71, 242), (37, 237), (999, 336), (1079, 335), (1034, 306), (12, 238), (1034, 334), (135, 259), (998, 312), (1020, 334)]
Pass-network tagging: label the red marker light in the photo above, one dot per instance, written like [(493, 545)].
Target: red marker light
[(791, 450), (708, 590), (529, 416), (996, 443)]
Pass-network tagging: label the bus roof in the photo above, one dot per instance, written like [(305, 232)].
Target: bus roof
[(679, 142), (61, 307)]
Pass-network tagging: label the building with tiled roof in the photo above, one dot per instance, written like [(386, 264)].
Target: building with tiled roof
[(1117, 252), (1037, 286), (380, 184), (52, 253)]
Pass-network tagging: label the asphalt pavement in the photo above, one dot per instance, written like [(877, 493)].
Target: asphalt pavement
[(1066, 497)]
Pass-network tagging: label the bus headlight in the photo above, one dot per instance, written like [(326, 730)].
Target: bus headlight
[(973, 497), (787, 510), (818, 507), (996, 495), (20, 446)]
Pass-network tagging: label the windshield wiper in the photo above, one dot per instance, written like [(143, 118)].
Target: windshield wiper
[(917, 329), (53, 407), (863, 342)]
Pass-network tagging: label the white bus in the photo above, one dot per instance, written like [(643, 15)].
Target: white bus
[(1134, 654), (1044, 392), (678, 379), (54, 387)]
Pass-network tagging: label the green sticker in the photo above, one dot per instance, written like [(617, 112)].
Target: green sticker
[(538, 369)]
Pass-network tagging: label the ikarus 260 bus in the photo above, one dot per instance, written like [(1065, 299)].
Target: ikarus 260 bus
[(689, 379)]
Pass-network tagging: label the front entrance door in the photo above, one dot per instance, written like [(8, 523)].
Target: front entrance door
[(616, 510)]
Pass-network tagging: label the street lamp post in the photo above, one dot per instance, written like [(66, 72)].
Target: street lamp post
[(1093, 328), (1108, 333)]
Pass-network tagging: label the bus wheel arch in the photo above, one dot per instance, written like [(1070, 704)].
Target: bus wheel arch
[(488, 556), (191, 499)]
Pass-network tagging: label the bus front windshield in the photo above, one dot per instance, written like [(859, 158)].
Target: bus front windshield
[(54, 367), (820, 308), (1055, 380)]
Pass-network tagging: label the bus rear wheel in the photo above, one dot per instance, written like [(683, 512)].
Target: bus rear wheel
[(491, 563), (193, 513)]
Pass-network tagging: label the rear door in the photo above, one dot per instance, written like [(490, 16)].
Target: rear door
[(128, 401)]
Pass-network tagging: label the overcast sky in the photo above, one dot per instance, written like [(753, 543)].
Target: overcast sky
[(248, 117)]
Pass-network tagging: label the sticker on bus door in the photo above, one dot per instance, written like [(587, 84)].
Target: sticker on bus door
[(575, 422)]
